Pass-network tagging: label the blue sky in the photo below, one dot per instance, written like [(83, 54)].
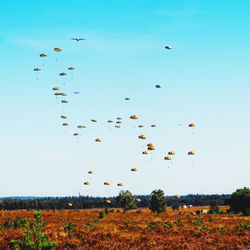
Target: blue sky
[(204, 79)]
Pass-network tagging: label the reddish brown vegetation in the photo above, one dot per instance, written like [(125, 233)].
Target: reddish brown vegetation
[(136, 230)]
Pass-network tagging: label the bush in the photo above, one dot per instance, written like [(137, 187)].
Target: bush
[(39, 239), (240, 201), (158, 202), (138, 211), (168, 224), (70, 226), (153, 225), (198, 221), (126, 200), (175, 207), (179, 222), (214, 208), (101, 214)]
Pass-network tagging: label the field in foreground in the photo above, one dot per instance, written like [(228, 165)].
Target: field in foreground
[(135, 229)]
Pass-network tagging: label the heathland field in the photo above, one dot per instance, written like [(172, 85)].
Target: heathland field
[(136, 229)]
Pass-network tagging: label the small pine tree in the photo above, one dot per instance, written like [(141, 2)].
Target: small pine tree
[(126, 200), (158, 201)]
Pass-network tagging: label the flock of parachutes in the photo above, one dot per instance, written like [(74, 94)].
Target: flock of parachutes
[(150, 146)]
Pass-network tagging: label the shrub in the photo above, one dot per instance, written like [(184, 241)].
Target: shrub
[(39, 239), (198, 221), (101, 214), (153, 225), (138, 211), (168, 224), (179, 222), (240, 201), (70, 226), (158, 202)]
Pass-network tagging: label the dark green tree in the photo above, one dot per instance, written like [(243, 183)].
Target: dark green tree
[(126, 200), (214, 208), (158, 201), (240, 201)]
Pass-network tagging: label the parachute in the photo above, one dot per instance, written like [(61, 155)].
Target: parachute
[(110, 121), (168, 158), (171, 153), (94, 120), (153, 126), (134, 169), (177, 196), (138, 200), (118, 122), (98, 140), (81, 126), (71, 68), (106, 183), (75, 134), (119, 118), (142, 137), (150, 145), (57, 93), (140, 126), (65, 124), (158, 86), (63, 74), (37, 69), (69, 204), (119, 184), (63, 117), (56, 88), (108, 201), (91, 172), (57, 49), (127, 99), (168, 47), (191, 125), (145, 152), (64, 101), (151, 148), (43, 55), (133, 117), (117, 126), (86, 183), (191, 153)]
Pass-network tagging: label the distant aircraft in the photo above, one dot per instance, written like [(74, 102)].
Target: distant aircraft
[(78, 39), (76, 92)]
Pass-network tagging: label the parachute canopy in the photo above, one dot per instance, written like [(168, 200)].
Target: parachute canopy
[(75, 134), (177, 196), (106, 183), (119, 184), (91, 172), (57, 49), (133, 117), (138, 200), (171, 153), (153, 126), (63, 74), (64, 101), (117, 126), (110, 121), (94, 120), (191, 125), (81, 126), (71, 68), (37, 69), (98, 140), (63, 117), (168, 158), (56, 88), (108, 201), (158, 86), (119, 118), (168, 47), (43, 55), (191, 153), (134, 169), (145, 152), (65, 124), (86, 183), (140, 126), (142, 137), (69, 204), (127, 99), (151, 148)]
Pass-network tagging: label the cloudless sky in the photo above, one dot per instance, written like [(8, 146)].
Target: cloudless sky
[(205, 79)]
